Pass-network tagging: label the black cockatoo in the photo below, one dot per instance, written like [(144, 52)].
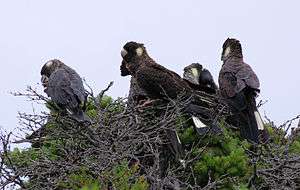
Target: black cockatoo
[(239, 85), (65, 88), (152, 79), (157, 81), (199, 78)]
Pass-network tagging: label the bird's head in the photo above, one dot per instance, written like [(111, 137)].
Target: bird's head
[(51, 66), (132, 53), (192, 73), (231, 48), (48, 68)]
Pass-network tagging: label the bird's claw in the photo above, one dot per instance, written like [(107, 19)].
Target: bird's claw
[(144, 103)]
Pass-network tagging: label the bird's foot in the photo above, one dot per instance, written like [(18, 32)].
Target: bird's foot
[(145, 103)]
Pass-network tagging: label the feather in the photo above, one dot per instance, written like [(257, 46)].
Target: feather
[(65, 88), (259, 121), (198, 123), (239, 86)]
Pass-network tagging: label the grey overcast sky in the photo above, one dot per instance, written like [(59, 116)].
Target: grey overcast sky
[(88, 36)]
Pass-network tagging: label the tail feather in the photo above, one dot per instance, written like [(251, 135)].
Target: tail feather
[(263, 132), (203, 129), (202, 120), (198, 123), (200, 127), (259, 121), (249, 125), (246, 114)]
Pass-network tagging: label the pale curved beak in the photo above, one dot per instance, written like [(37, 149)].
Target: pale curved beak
[(123, 53)]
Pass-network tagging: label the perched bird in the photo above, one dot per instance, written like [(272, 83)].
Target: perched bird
[(148, 77), (157, 81), (199, 79), (65, 88), (136, 94), (239, 85)]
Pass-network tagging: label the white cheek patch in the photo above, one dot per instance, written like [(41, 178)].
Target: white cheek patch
[(49, 63), (139, 51), (227, 51), (195, 72)]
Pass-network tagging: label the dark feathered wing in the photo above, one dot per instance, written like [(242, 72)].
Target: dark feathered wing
[(59, 89), (207, 82), (246, 75), (239, 84), (66, 89), (235, 76), (160, 82), (228, 82)]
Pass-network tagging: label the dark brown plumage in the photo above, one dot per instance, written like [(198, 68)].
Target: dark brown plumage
[(239, 85), (157, 81), (136, 94)]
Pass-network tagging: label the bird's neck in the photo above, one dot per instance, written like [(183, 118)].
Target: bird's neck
[(144, 61), (233, 59)]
